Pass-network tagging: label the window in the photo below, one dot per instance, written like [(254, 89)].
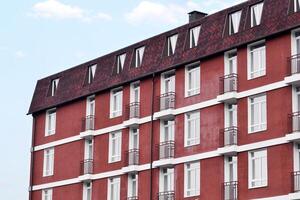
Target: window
[(87, 191), (234, 22), (132, 185), (192, 179), (230, 115), (167, 130), (166, 182), (115, 144), (256, 13), (296, 5), (54, 84), (257, 113), (91, 73), (192, 80), (168, 82), (116, 103), (171, 44), (296, 43), (120, 62), (139, 54), (134, 138), (47, 194), (256, 60), (88, 149), (194, 36), (135, 92), (50, 122), (231, 62), (230, 168), (114, 188), (258, 169), (192, 128), (48, 165), (90, 109)]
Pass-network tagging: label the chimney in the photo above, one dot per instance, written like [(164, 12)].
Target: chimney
[(195, 15)]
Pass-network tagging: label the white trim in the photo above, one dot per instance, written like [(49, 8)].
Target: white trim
[(194, 91), (49, 195), (193, 166), (118, 145), (264, 153), (249, 60), (293, 41), (262, 126), (115, 93), (51, 112), (117, 181), (192, 117)]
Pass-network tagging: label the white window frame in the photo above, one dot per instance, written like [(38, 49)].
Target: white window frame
[(296, 155), (131, 138), (117, 136), (228, 112), (194, 36), (171, 128), (120, 62), (171, 44), (54, 85), (85, 190), (234, 22), (115, 181), (51, 113), (253, 15), (228, 59), (195, 89), (227, 163), (296, 7), (264, 169), (48, 161), (261, 71), (194, 169), (170, 177), (91, 73), (167, 76), (47, 194), (133, 88), (90, 103), (262, 125), (195, 139), (114, 94), (294, 41), (88, 149), (139, 55), (130, 185)]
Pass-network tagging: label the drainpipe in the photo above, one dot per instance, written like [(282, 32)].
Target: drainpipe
[(32, 157), (151, 137)]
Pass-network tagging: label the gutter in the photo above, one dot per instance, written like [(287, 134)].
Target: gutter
[(32, 158)]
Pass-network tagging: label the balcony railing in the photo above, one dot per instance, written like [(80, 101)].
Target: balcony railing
[(294, 67), (87, 166), (166, 150), (132, 198), (88, 123), (133, 157), (169, 195), (231, 190), (229, 136), (167, 101), (228, 83), (133, 110), (296, 181), (294, 122)]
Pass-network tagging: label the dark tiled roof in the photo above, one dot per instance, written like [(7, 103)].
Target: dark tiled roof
[(277, 17)]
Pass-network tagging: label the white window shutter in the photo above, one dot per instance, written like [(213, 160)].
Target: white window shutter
[(236, 17), (173, 42), (258, 13)]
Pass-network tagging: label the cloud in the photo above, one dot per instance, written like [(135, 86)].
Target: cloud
[(20, 54), (54, 9), (155, 12)]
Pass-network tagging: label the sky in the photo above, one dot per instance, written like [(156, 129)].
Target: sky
[(42, 37)]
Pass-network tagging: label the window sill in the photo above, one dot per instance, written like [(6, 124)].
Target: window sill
[(258, 131), (249, 78), (258, 187), (193, 95), (192, 145)]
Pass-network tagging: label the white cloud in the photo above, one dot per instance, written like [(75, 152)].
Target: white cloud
[(155, 12), (54, 9), (20, 54)]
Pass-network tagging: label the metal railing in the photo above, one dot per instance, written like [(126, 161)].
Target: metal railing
[(228, 83), (231, 190), (133, 110), (294, 122), (88, 123), (133, 157), (166, 149), (132, 198), (229, 136), (296, 181), (87, 166), (167, 101), (294, 67), (168, 195)]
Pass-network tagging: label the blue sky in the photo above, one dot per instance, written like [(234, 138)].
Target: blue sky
[(42, 37)]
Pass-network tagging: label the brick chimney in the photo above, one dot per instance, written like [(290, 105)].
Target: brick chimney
[(195, 15)]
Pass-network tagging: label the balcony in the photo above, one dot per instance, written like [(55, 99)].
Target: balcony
[(132, 198), (169, 195), (88, 127), (231, 190), (294, 127), (228, 89), (166, 154), (133, 115), (132, 161), (295, 195), (228, 141), (166, 106), (86, 170), (293, 75)]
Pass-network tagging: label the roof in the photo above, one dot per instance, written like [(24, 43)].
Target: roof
[(277, 17)]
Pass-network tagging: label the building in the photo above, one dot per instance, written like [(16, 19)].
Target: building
[(207, 111)]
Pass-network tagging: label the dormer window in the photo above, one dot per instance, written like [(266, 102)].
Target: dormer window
[(54, 84), (120, 62), (194, 36), (296, 5), (91, 73), (234, 22), (256, 13), (172, 40), (139, 54)]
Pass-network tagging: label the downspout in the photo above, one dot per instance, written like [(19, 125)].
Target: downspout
[(151, 138), (32, 157)]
